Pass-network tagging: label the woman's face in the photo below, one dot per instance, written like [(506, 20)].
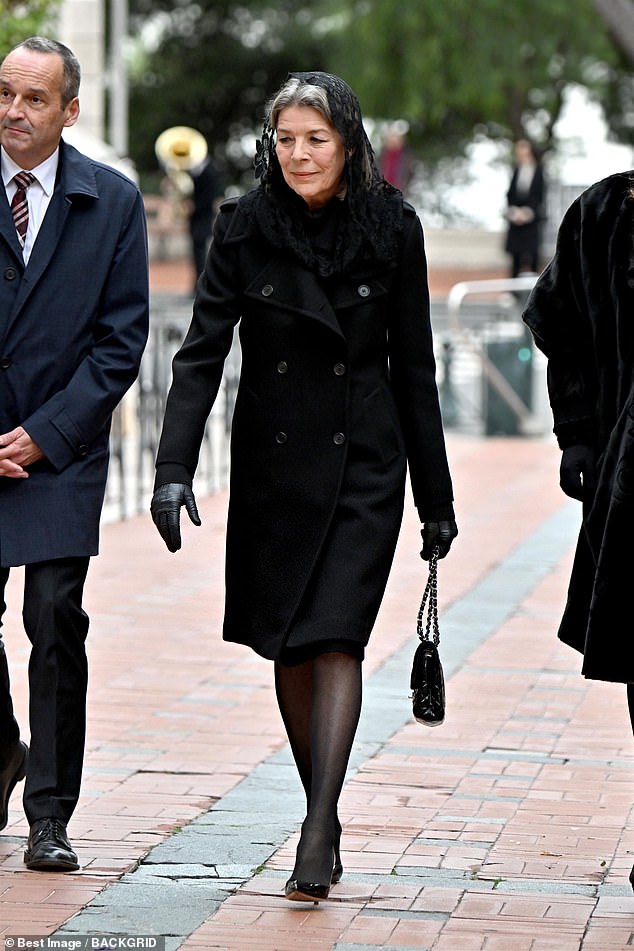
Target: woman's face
[(311, 154), (523, 151)]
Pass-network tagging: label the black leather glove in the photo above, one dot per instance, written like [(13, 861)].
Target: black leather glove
[(577, 475), (439, 534), (166, 511)]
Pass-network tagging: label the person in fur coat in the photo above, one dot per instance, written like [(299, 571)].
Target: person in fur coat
[(580, 314)]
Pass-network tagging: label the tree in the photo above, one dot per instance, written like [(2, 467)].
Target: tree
[(464, 65), (618, 16), (211, 65), (618, 100), (22, 18), (452, 69)]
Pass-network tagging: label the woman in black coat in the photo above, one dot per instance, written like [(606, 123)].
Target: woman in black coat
[(525, 209), (323, 265), (580, 314)]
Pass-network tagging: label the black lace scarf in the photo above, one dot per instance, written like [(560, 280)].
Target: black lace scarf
[(368, 220)]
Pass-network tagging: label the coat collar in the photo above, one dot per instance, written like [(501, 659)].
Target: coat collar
[(76, 173), (75, 180)]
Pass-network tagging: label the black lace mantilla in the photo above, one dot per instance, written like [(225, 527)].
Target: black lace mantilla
[(369, 218)]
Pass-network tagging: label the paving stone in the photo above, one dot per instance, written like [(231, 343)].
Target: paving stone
[(518, 808)]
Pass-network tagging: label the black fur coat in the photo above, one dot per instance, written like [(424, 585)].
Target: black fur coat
[(581, 314)]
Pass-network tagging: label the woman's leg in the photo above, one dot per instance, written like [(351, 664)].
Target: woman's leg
[(320, 702), (294, 690)]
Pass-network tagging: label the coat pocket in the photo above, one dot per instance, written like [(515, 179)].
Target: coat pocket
[(380, 426)]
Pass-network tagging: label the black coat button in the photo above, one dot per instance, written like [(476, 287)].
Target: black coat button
[(267, 290), (82, 449), (5, 362), (282, 366), (10, 273), (281, 438), (338, 439), (363, 290), (339, 369)]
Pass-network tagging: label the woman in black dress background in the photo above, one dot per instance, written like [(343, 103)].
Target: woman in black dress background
[(525, 209)]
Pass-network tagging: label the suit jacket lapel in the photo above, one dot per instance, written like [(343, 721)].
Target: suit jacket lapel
[(76, 177), (7, 228), (43, 249)]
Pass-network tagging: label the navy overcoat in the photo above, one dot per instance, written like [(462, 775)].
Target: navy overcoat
[(337, 391), (73, 325)]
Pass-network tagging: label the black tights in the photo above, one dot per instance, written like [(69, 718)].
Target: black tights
[(320, 703), (630, 703)]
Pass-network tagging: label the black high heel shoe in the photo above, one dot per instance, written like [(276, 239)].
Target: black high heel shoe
[(632, 878), (296, 890), (337, 868)]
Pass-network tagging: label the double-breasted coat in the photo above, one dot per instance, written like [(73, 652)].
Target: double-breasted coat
[(337, 393), (581, 314), (73, 325)]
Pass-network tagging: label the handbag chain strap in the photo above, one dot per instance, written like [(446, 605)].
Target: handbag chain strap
[(427, 627)]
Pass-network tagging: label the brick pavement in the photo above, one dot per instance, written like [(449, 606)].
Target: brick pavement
[(508, 827), (509, 824)]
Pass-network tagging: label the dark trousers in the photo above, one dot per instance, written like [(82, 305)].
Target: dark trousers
[(56, 625)]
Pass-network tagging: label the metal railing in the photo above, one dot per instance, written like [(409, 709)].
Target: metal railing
[(137, 422), (481, 315)]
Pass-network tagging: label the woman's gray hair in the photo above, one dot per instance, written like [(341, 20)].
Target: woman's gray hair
[(370, 222), (299, 92), (296, 93)]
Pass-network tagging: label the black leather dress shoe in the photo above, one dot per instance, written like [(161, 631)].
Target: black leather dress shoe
[(48, 848), (14, 771)]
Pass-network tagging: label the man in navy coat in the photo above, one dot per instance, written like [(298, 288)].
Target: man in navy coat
[(73, 325)]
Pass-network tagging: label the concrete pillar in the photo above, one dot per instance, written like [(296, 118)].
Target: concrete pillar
[(82, 28)]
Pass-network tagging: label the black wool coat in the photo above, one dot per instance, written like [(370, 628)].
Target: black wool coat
[(581, 313), (324, 363), (525, 239)]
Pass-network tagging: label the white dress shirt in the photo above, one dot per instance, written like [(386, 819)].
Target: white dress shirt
[(38, 194)]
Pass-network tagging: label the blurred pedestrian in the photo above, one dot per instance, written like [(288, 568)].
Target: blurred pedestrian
[(396, 162), (191, 185), (201, 206), (525, 209), (74, 316), (323, 265), (580, 314)]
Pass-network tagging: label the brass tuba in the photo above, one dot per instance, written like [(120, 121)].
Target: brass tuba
[(179, 149)]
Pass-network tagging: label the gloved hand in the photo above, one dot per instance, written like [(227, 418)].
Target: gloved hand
[(437, 533), (577, 475), (166, 511)]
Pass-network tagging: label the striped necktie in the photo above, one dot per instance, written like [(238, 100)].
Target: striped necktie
[(20, 205)]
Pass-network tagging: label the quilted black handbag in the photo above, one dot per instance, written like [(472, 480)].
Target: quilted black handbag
[(427, 681)]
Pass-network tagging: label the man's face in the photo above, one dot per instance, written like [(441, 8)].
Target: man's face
[(31, 112)]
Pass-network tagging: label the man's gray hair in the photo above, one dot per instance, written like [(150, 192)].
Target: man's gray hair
[(72, 69)]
